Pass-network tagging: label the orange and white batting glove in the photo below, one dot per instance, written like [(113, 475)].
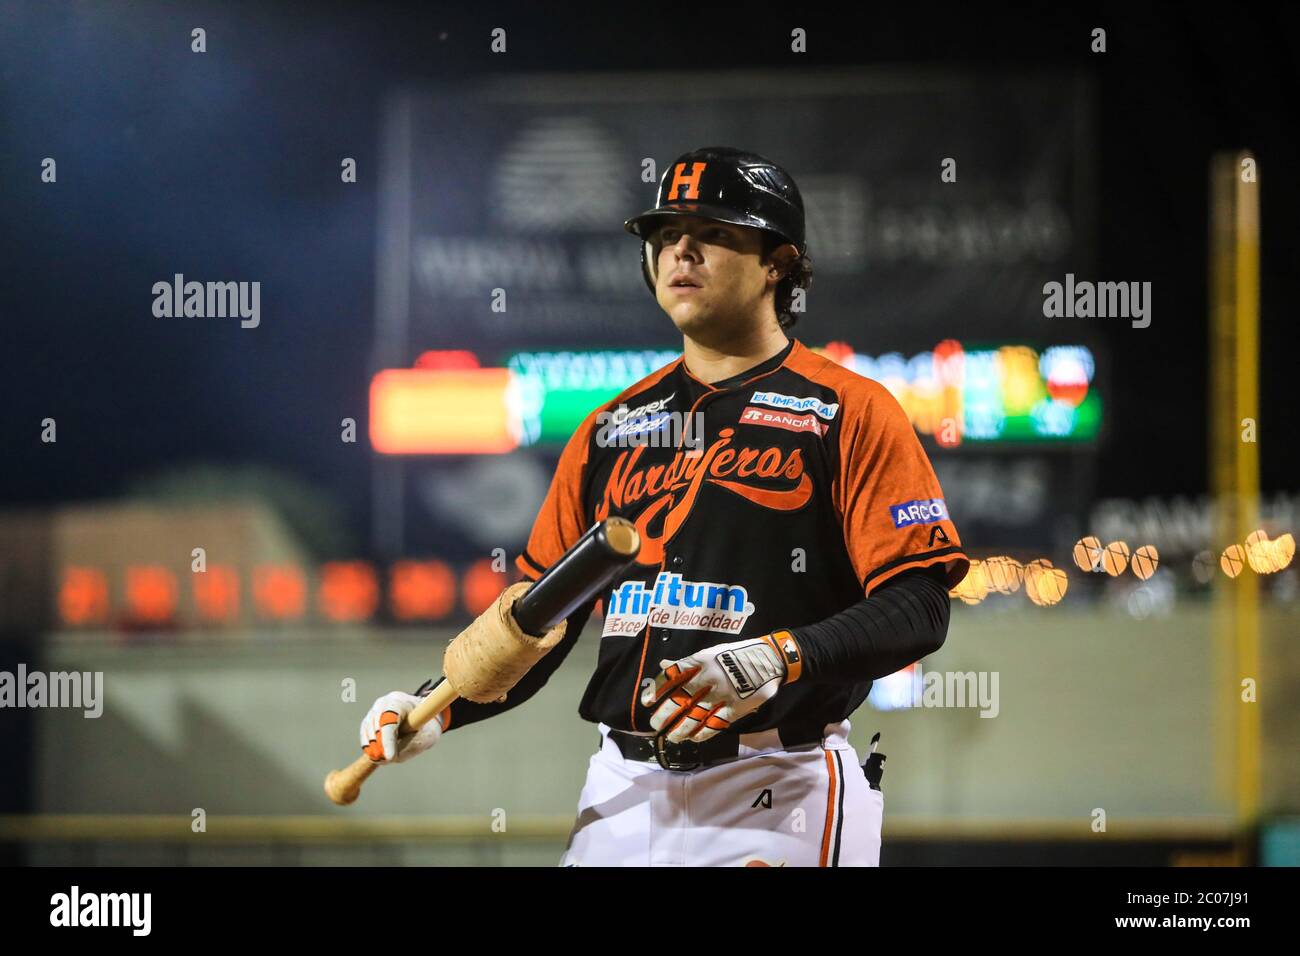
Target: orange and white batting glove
[(699, 695), (379, 739)]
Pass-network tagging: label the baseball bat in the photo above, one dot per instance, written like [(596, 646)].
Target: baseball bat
[(582, 572)]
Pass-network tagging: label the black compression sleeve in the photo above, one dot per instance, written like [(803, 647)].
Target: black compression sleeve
[(902, 621)]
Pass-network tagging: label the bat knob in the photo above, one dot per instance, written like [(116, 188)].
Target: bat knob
[(344, 786), (338, 791)]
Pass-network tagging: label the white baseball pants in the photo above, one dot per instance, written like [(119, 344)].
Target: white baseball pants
[(768, 807)]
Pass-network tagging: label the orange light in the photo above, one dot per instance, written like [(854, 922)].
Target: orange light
[(481, 586), (349, 590), (421, 590), (1261, 554), (1087, 553), (1049, 586), (83, 596), (279, 591), (460, 412), (447, 359), (216, 594), (949, 362), (950, 373), (1232, 559), (150, 594), (1284, 548), (974, 587)]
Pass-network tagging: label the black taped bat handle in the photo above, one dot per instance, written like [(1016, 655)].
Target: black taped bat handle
[(581, 573)]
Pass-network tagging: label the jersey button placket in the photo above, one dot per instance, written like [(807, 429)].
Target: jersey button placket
[(675, 562)]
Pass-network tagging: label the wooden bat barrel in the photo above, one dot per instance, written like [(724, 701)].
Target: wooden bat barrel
[(581, 573)]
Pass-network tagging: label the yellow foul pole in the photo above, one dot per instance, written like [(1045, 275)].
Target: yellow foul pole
[(1234, 472)]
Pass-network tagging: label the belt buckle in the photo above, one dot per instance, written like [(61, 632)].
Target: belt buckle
[(661, 754)]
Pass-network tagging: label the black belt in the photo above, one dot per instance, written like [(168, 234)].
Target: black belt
[(687, 755)]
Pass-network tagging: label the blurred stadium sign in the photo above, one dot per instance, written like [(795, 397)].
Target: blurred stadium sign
[(523, 183), (510, 301), (1006, 393)]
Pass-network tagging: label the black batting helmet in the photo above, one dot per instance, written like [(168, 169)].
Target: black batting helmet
[(726, 185)]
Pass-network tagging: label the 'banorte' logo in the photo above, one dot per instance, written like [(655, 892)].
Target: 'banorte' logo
[(790, 421)]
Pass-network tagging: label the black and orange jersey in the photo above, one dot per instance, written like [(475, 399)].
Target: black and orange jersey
[(772, 499)]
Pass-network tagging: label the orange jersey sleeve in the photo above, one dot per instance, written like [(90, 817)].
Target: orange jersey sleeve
[(886, 493), (561, 521)]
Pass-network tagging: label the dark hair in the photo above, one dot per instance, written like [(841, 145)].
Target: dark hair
[(798, 275)]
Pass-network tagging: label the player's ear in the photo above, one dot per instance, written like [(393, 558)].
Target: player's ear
[(780, 259)]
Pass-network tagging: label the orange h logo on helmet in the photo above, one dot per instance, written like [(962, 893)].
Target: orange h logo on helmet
[(691, 182)]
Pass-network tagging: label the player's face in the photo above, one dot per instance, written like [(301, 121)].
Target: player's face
[(711, 279)]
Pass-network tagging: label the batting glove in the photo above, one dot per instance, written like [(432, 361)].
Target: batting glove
[(699, 695), (379, 739)]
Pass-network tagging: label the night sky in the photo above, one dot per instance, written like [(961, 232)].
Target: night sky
[(226, 164)]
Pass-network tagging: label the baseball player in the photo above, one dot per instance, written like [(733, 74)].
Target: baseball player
[(795, 547)]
